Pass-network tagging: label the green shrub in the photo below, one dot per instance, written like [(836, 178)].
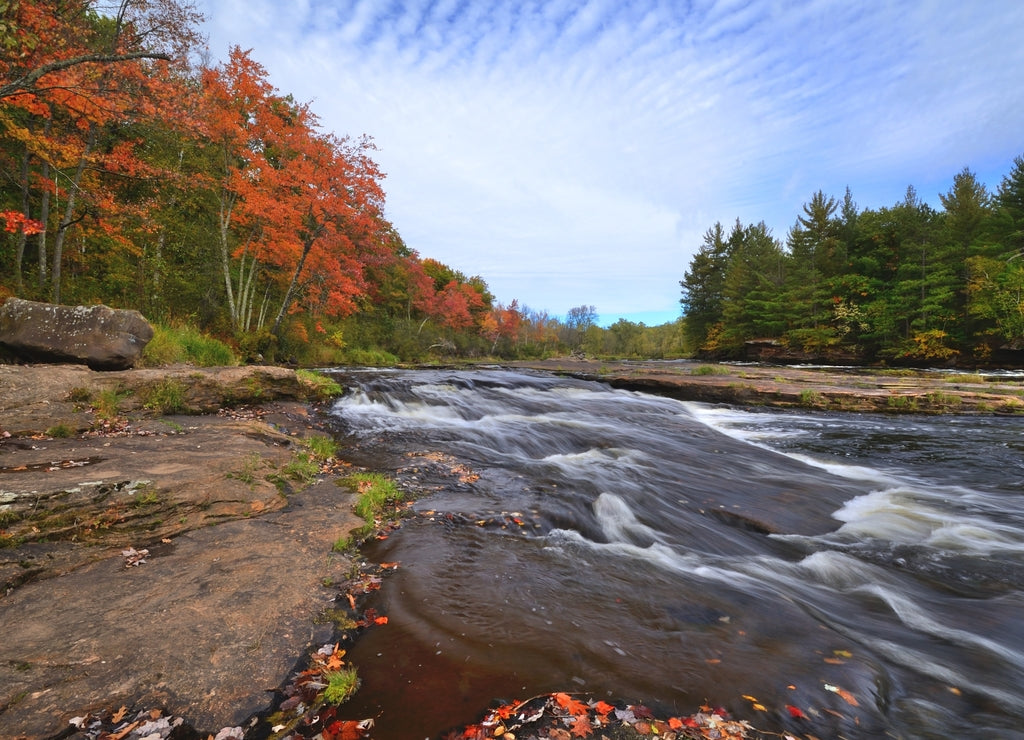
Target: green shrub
[(107, 406), (371, 358), (79, 395), (322, 448), (902, 403), (250, 466), (812, 398), (940, 399), (375, 491), (173, 345), (965, 378), (60, 431), (710, 370), (318, 384), (166, 397), (303, 468)]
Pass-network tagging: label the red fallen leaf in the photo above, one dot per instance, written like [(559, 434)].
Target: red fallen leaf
[(642, 712), (572, 706), (603, 708), (380, 620), (350, 729), (795, 712), (675, 723)]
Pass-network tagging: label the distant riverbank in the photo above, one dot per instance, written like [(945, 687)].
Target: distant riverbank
[(822, 388)]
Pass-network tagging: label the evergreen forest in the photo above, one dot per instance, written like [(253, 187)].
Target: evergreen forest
[(906, 284)]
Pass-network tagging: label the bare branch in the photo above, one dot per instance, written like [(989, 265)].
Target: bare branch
[(27, 82)]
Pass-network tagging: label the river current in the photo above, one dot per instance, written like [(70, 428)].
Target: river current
[(828, 575)]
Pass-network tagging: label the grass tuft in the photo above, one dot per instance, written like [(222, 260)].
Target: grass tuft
[(175, 345), (341, 685)]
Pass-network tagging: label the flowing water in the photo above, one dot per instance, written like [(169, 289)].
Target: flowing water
[(865, 570)]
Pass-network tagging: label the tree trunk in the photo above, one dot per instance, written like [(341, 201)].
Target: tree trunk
[(227, 204), (19, 255), (66, 221), (44, 213), (307, 246)]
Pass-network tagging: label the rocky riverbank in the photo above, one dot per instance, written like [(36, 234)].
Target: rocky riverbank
[(155, 552), (158, 559), (826, 389)]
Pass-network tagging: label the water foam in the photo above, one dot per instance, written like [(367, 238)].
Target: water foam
[(908, 516)]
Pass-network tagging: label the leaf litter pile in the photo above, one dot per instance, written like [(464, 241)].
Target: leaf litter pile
[(561, 716)]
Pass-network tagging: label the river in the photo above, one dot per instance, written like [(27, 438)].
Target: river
[(864, 570)]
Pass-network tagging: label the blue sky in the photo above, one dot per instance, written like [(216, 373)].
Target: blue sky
[(575, 152)]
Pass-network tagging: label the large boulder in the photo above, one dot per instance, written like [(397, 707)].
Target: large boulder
[(98, 336)]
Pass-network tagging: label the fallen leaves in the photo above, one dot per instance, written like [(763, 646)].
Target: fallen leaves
[(562, 716), (448, 464), (846, 695), (133, 557), (304, 712)]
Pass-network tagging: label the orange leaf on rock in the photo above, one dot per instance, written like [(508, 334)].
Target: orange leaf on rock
[(582, 727), (603, 708), (506, 711)]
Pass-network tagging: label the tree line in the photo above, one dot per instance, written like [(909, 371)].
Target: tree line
[(138, 174), (904, 284)]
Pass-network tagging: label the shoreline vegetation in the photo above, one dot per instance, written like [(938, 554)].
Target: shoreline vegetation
[(270, 417)]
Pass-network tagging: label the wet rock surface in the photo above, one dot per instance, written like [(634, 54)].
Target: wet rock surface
[(158, 561)]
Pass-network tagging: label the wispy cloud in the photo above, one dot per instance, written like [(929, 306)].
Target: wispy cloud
[(574, 151)]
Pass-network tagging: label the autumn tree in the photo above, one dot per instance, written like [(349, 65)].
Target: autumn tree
[(501, 324), (79, 75)]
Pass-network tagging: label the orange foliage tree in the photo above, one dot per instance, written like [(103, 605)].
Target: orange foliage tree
[(72, 79), (300, 210)]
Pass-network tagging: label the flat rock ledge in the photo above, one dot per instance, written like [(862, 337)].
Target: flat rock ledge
[(233, 589), (879, 390)]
